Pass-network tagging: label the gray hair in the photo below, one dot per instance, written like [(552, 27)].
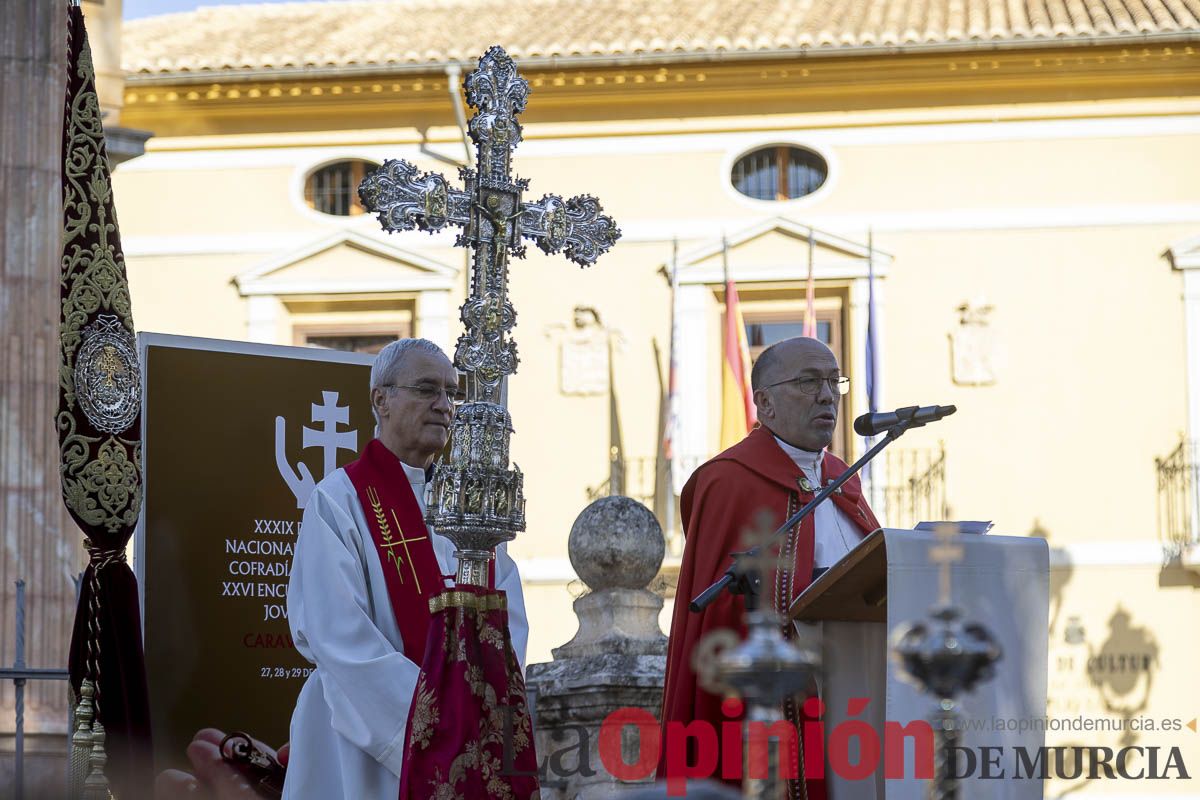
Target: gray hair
[(386, 368), (388, 362)]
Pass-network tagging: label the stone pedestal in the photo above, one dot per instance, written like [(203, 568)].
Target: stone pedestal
[(617, 658)]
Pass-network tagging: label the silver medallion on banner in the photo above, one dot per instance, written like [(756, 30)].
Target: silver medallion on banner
[(107, 378)]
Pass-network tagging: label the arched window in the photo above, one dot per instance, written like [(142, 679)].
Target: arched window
[(333, 189), (779, 172)]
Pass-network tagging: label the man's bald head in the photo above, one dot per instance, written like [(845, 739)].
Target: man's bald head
[(784, 405), (778, 362)]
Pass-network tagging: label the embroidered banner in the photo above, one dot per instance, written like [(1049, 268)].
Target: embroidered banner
[(469, 733), (98, 423)]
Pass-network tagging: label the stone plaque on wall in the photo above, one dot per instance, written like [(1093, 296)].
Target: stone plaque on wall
[(583, 365), (973, 348)]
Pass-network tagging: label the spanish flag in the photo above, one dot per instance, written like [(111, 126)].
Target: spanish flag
[(737, 403)]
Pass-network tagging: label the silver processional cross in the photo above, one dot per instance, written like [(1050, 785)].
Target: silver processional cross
[(477, 501)]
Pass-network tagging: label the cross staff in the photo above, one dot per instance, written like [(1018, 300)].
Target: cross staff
[(476, 501), (493, 217)]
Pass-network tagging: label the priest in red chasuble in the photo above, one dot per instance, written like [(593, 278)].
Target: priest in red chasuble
[(779, 466), (364, 571)]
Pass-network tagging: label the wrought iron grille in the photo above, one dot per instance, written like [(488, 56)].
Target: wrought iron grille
[(638, 476), (1178, 503), (20, 674), (780, 172), (332, 188), (914, 488)]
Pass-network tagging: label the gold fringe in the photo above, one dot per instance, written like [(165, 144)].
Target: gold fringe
[(491, 602)]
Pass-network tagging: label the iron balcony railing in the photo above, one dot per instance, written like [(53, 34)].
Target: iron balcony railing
[(646, 480), (913, 487), (1178, 500)]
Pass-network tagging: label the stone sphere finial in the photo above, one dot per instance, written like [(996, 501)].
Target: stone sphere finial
[(616, 543)]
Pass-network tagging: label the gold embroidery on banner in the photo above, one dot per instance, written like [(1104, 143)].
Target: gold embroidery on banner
[(425, 714), (465, 610), (474, 676), (442, 790), (490, 634), (105, 489), (454, 645)]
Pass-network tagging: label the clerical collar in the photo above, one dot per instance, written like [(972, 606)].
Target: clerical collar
[(415, 475), (808, 461)]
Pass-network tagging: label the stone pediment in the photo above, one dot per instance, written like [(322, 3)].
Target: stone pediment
[(1185, 254), (777, 249), (346, 262)]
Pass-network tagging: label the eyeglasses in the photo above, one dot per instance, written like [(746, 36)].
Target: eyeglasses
[(812, 385), (428, 392)]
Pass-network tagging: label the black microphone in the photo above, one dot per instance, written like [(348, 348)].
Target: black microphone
[(913, 416)]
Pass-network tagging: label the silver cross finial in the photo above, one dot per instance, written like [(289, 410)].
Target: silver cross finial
[(477, 500)]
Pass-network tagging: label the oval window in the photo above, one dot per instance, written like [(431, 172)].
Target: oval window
[(333, 189), (779, 172)]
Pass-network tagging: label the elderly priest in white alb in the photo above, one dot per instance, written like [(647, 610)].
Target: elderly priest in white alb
[(364, 568)]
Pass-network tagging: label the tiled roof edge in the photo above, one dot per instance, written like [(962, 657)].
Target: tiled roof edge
[(661, 58)]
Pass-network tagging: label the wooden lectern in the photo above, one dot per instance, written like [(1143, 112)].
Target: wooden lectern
[(889, 579), (852, 590)]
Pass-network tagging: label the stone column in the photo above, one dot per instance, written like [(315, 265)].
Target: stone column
[(38, 542), (616, 659)]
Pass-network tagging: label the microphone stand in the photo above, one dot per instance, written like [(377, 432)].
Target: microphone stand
[(739, 580)]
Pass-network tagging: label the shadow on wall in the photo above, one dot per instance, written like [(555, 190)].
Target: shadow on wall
[(1119, 668), (1121, 671), (1176, 576)]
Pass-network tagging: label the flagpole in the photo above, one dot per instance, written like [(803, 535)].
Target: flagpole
[(725, 263), (869, 474), (672, 388), (810, 312)]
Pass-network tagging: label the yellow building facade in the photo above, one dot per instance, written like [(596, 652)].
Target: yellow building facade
[(1023, 183)]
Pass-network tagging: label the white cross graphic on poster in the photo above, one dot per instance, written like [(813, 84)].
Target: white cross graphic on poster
[(329, 415)]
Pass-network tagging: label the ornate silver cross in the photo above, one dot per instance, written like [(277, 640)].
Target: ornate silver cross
[(476, 500)]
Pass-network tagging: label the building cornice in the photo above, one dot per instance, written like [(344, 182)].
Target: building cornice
[(724, 90)]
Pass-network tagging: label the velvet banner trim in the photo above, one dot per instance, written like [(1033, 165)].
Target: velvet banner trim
[(495, 602)]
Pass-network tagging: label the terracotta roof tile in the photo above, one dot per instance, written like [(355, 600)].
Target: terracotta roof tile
[(396, 33)]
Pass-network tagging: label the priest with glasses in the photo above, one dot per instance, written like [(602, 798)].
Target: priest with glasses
[(364, 569), (779, 466)]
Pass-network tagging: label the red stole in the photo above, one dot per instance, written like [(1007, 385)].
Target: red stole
[(410, 567), (720, 500)]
